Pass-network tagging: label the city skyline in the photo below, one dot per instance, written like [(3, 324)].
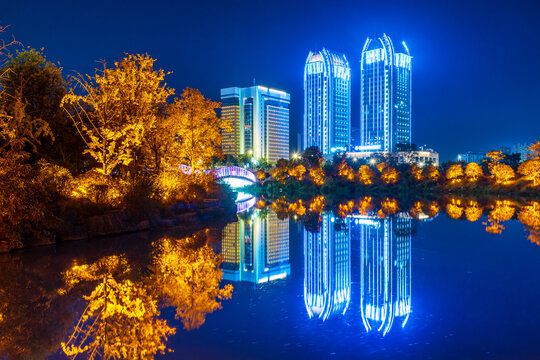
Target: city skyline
[(466, 60)]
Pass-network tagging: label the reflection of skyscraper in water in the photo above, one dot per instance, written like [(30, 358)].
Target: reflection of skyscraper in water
[(256, 249), (327, 269), (385, 272)]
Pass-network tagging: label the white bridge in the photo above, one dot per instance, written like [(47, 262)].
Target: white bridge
[(237, 178)]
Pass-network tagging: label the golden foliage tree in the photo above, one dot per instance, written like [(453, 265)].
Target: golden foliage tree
[(317, 175), (389, 175), (297, 208), (530, 169), (534, 151), (503, 174), (120, 322), (365, 175), (454, 208), (119, 109), (189, 277), (345, 171), (317, 204), (198, 129), (503, 210), (298, 172), (454, 174), (473, 211), (388, 207), (416, 172), (431, 172), (365, 205), (473, 172), (530, 217)]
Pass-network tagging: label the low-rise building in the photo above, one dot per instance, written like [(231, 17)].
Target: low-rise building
[(421, 157)]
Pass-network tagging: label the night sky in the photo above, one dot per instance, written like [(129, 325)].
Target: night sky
[(476, 64)]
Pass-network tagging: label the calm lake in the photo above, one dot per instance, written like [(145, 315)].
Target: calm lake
[(357, 285)]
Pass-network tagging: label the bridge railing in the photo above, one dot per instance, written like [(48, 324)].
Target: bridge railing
[(235, 171)]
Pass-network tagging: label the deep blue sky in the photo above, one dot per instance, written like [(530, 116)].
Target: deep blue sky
[(476, 66)]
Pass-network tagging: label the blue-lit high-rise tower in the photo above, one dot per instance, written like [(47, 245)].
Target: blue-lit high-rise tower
[(327, 101), (385, 97)]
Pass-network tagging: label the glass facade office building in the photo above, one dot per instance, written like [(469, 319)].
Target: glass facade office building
[(256, 249), (327, 101), (259, 118), (385, 95)]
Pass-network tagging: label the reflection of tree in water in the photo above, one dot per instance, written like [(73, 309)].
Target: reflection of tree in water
[(530, 217), (503, 210), (121, 318), (119, 322), (188, 278)]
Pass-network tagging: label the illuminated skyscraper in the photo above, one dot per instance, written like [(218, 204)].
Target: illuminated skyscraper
[(385, 272), (327, 101), (256, 249), (327, 269), (385, 95), (259, 118)]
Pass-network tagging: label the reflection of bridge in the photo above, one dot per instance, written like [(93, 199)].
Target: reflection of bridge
[(235, 176)]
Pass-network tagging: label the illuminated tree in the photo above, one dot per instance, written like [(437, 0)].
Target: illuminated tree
[(473, 211), (431, 172), (416, 211), (365, 175), (473, 172), (365, 205), (530, 217), (345, 171), (502, 173), (297, 208), (119, 109), (198, 129), (503, 210), (530, 169), (416, 172), (298, 172), (345, 209), (389, 175), (388, 207), (189, 277), (281, 171), (317, 204), (119, 322), (280, 207), (433, 209), (317, 174), (454, 174), (534, 151), (454, 208)]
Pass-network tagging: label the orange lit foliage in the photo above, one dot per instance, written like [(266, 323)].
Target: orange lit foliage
[(120, 106), (281, 171), (389, 175), (416, 211), (260, 204), (473, 212), (530, 217), (530, 169), (502, 211), (454, 208), (388, 207), (345, 209), (345, 171), (503, 174), (416, 172), (431, 172), (433, 209), (298, 172), (473, 172), (280, 207), (120, 322), (365, 175), (365, 205), (297, 208), (317, 204), (261, 175), (121, 318), (189, 276), (454, 174), (317, 174)]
